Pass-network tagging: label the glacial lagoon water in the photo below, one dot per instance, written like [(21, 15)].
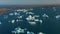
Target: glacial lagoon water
[(31, 21)]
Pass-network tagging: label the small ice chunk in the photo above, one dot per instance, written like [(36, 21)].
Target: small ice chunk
[(30, 18), (41, 21), (14, 32), (20, 10), (0, 22), (17, 20), (32, 23), (36, 20), (40, 33), (28, 32), (11, 14), (29, 13), (25, 10), (13, 21), (42, 8), (15, 13), (44, 15), (18, 30), (58, 16), (19, 16), (54, 8)]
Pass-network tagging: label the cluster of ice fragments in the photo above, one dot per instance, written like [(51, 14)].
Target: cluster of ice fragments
[(31, 19), (19, 30)]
